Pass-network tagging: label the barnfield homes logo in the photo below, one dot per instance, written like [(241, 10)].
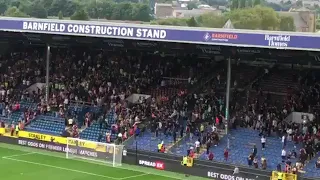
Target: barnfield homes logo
[(277, 40), (207, 36)]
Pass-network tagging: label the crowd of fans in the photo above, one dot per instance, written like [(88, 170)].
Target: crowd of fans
[(105, 79)]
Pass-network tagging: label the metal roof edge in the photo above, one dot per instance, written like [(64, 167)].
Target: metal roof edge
[(163, 27)]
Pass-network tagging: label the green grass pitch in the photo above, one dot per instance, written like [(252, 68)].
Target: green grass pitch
[(21, 163)]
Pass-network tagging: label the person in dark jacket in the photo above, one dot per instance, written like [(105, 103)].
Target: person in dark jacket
[(250, 159), (254, 151)]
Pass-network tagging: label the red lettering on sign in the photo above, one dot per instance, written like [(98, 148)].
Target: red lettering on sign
[(159, 165)]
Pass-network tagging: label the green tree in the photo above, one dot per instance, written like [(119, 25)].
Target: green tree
[(173, 22), (287, 23), (249, 3), (3, 7), (25, 6), (216, 2), (106, 8), (116, 12), (126, 10), (278, 7), (211, 20), (47, 4), (242, 3), (234, 4), (15, 3), (14, 12), (95, 8), (318, 24), (245, 18), (80, 14), (38, 10), (269, 18), (60, 15), (141, 12), (67, 7), (192, 22), (256, 2), (192, 5)]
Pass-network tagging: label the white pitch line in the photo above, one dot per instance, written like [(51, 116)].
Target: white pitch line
[(92, 162), (17, 155), (118, 167), (129, 177), (57, 167)]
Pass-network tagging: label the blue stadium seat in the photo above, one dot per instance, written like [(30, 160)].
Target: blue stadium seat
[(241, 144), (47, 124)]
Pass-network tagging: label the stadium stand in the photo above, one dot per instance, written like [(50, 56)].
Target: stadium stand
[(186, 103)]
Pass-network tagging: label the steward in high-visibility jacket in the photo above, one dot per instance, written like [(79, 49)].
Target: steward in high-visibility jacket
[(184, 161), (280, 176), (159, 147), (17, 129)]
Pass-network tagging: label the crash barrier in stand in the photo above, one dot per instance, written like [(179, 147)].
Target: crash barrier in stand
[(201, 168)]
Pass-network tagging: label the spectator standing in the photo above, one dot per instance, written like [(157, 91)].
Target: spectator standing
[(100, 137), (318, 163), (263, 163), (226, 154), (17, 128), (250, 159), (120, 137), (108, 137), (263, 142), (210, 156), (255, 163), (284, 141), (197, 145), (12, 128), (254, 151), (283, 155), (174, 135), (279, 167)]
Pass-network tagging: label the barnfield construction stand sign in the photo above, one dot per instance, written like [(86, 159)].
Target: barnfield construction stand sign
[(240, 38)]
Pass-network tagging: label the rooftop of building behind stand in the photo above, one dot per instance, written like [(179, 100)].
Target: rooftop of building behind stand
[(166, 92)]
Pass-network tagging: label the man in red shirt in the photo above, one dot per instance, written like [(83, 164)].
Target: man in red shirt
[(226, 154), (211, 156), (163, 149)]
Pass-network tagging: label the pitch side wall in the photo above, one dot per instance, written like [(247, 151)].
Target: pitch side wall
[(207, 169)]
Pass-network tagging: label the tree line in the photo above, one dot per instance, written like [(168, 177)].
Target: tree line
[(244, 14), (76, 9), (257, 17)]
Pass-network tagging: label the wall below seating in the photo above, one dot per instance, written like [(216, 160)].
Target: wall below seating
[(207, 169)]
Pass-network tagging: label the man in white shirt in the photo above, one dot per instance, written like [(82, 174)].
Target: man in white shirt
[(214, 128), (283, 155), (120, 137), (284, 141), (289, 131), (197, 145), (174, 114), (263, 142)]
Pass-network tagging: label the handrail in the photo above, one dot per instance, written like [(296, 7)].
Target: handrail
[(83, 103), (175, 78)]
